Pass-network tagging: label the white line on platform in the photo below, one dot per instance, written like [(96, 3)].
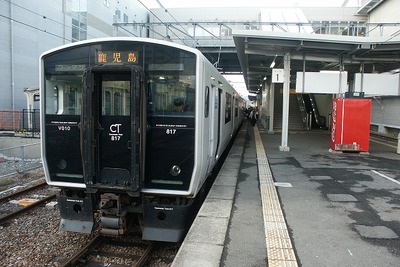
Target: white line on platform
[(278, 184), (386, 177)]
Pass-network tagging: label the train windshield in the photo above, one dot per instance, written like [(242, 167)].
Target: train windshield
[(169, 85), (170, 76)]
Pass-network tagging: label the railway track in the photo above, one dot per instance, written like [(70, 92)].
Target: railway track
[(22, 192), (112, 251), (16, 209)]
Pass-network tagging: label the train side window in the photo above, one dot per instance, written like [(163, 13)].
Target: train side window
[(236, 107), (228, 107), (207, 102)]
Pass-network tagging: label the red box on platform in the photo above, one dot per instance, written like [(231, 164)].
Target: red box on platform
[(350, 124)]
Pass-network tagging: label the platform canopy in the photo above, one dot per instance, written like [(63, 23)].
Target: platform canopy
[(313, 52)]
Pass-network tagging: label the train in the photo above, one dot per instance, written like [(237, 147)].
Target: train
[(130, 130)]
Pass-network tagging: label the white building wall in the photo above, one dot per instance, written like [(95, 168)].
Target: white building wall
[(387, 12), (5, 55), (101, 17), (385, 115), (27, 29), (385, 110)]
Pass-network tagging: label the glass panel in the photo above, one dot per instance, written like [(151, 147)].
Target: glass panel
[(82, 35), (63, 82), (65, 98), (228, 107), (106, 110), (117, 103), (115, 93), (207, 102), (172, 80), (236, 107), (83, 22), (75, 33), (75, 22)]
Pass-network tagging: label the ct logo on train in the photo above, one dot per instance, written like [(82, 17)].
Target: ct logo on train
[(115, 134)]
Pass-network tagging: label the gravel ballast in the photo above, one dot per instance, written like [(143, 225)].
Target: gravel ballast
[(34, 239)]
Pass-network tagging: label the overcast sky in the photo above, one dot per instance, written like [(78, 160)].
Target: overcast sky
[(249, 3)]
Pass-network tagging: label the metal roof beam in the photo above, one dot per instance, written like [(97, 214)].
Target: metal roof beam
[(369, 6)]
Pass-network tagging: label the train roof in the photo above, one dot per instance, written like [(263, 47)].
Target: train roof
[(124, 39)]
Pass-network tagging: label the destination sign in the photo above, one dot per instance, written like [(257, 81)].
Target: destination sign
[(109, 57)]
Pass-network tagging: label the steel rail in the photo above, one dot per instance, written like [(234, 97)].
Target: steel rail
[(11, 215), (22, 192)]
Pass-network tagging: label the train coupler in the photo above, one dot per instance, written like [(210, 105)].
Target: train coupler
[(113, 216), (113, 226)]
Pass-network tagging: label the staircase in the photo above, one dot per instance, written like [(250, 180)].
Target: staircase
[(295, 117)]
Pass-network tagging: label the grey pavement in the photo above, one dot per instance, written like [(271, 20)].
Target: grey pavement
[(19, 146), (245, 238), (343, 209)]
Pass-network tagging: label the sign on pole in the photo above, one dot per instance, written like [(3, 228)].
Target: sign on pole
[(277, 75)]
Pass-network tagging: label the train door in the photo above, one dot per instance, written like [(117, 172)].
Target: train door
[(219, 112), (113, 128), (215, 101)]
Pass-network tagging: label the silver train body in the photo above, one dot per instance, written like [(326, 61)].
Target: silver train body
[(113, 142)]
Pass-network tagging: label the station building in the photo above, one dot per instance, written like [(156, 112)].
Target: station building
[(30, 28)]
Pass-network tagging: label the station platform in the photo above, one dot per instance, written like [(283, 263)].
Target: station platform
[(307, 206)]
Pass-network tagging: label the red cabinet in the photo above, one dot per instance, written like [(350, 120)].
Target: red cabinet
[(350, 124)]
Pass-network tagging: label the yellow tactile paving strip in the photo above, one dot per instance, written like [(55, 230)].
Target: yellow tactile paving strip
[(279, 247)]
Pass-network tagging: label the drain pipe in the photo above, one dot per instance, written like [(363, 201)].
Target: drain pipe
[(12, 58)]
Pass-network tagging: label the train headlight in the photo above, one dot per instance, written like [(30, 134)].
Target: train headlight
[(62, 164), (175, 170)]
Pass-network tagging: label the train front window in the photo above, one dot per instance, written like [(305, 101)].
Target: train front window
[(63, 81), (170, 80), (66, 96)]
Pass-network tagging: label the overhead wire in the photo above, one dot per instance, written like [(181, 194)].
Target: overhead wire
[(34, 27), (33, 12), (169, 13), (43, 17), (184, 30), (165, 24)]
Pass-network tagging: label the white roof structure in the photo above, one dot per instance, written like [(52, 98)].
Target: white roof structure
[(313, 52)]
